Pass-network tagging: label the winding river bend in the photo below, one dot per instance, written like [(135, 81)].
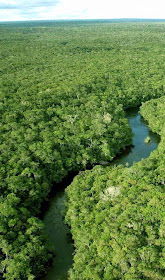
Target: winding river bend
[(57, 231)]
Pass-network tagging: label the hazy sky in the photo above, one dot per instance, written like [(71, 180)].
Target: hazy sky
[(80, 9)]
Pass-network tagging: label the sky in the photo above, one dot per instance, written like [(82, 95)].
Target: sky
[(18, 10)]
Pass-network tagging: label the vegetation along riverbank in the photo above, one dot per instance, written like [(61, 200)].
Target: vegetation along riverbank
[(64, 87)]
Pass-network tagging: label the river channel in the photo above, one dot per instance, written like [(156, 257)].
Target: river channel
[(57, 231)]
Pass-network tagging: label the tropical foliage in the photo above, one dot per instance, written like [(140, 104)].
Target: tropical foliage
[(63, 88), (117, 214)]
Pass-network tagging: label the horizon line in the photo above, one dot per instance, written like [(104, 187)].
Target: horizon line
[(85, 19)]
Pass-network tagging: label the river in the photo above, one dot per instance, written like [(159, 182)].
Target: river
[(57, 231)]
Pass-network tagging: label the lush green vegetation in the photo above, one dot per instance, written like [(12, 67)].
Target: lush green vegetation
[(117, 214), (63, 87)]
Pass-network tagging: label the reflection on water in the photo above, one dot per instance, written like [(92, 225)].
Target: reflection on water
[(140, 149), (58, 235)]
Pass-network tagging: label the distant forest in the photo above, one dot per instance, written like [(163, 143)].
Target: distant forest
[(64, 89)]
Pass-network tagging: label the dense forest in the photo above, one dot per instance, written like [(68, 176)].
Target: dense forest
[(117, 214), (64, 87)]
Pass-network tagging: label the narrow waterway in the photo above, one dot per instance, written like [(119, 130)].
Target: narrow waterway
[(57, 231)]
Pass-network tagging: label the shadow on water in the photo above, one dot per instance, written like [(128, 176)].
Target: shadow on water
[(57, 231), (58, 234)]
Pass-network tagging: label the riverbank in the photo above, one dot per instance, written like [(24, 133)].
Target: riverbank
[(57, 231)]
